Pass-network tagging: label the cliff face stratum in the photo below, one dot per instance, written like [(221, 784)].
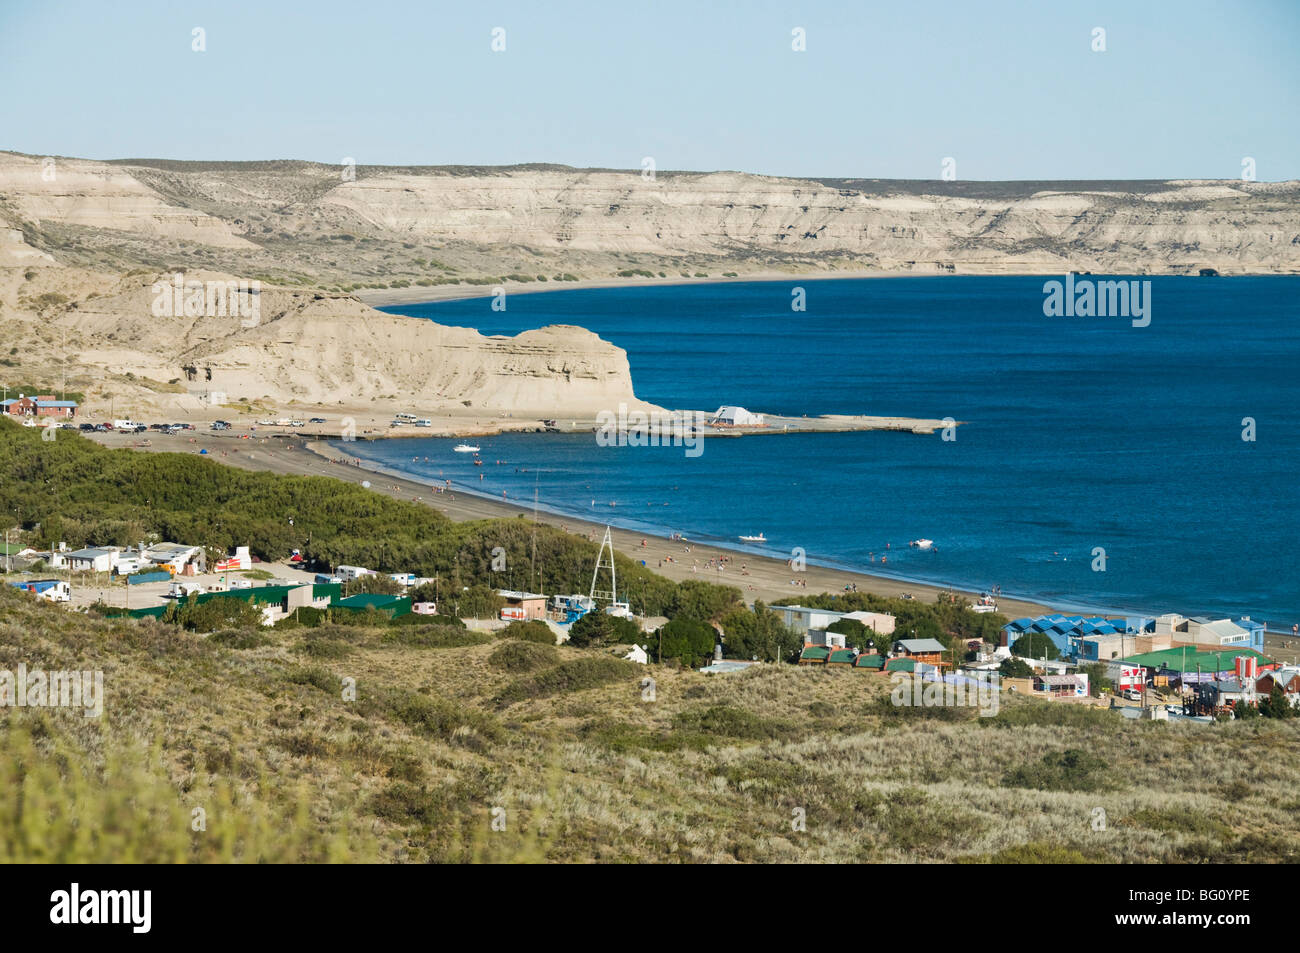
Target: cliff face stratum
[(82, 243)]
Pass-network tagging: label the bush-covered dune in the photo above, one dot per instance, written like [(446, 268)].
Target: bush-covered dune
[(578, 761)]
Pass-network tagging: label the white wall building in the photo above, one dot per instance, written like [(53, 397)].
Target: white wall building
[(92, 560), (735, 417)]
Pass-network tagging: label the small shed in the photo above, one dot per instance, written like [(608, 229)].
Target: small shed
[(841, 657), (522, 606), (922, 650), (814, 655)]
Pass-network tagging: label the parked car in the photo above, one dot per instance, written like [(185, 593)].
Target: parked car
[(1132, 694), (103, 428), (318, 420), (220, 425), (86, 427)]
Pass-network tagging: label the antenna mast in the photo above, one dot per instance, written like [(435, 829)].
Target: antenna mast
[(611, 593)]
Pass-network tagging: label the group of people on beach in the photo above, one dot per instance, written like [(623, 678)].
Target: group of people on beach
[(717, 563)]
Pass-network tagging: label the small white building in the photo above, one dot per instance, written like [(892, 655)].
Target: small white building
[(637, 654), (92, 559), (735, 417), (832, 640), (881, 623), (53, 590), (801, 618), (178, 559)]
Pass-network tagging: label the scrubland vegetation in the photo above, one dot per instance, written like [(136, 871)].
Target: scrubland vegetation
[(324, 739), (448, 729)]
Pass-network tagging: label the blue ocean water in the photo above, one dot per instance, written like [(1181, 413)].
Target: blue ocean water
[(1081, 432)]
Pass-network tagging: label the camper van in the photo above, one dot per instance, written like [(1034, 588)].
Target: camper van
[(128, 424), (179, 590), (352, 572)]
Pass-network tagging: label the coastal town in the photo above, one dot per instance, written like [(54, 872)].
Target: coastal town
[(1166, 667)]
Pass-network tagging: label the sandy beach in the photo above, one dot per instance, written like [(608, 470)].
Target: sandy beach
[(758, 577)]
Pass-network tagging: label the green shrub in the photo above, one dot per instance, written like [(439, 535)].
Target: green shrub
[(725, 721), (532, 630), (686, 640), (324, 649), (240, 639), (432, 716), (317, 677), (572, 676), (1069, 770), (523, 657), (601, 628), (432, 636), (223, 612)]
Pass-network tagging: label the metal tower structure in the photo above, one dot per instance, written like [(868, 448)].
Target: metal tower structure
[(610, 594)]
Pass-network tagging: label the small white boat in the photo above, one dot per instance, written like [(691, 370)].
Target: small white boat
[(760, 538), (922, 543), (464, 448)]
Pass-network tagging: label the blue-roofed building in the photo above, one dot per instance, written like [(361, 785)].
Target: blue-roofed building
[(55, 590), (1075, 637)]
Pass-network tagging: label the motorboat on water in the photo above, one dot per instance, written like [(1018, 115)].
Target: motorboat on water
[(464, 448), (760, 538), (922, 543)]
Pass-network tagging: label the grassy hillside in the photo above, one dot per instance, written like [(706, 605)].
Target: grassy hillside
[(447, 728)]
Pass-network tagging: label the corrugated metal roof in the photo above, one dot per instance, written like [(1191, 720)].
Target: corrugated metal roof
[(922, 645)]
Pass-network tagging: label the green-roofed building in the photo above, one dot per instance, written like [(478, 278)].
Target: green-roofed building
[(841, 657), (281, 601), (392, 606), (872, 662), (814, 655), (900, 665), (1191, 659)]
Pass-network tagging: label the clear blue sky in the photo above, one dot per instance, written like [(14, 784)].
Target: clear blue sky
[(1010, 90)]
